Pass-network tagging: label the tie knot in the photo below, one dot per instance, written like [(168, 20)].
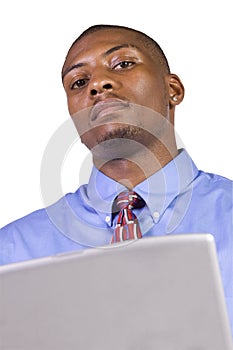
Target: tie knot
[(130, 200)]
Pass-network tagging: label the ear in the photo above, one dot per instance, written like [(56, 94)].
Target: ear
[(176, 90)]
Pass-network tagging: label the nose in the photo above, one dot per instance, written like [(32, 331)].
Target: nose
[(96, 90), (101, 84)]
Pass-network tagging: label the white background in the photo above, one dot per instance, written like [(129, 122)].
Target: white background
[(35, 36)]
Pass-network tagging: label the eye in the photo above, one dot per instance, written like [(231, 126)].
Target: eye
[(78, 84), (124, 65)]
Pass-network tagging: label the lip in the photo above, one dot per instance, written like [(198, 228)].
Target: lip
[(106, 107)]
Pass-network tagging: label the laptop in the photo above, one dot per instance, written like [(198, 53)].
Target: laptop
[(162, 293)]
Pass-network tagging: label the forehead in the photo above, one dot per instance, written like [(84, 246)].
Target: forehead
[(103, 39)]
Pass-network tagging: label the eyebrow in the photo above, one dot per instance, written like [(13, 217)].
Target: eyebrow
[(75, 66), (118, 47), (107, 53)]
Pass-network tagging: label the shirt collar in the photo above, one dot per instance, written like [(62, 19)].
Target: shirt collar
[(158, 191)]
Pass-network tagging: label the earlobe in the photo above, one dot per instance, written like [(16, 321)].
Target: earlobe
[(176, 90)]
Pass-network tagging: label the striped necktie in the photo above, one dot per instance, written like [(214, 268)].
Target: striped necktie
[(127, 226)]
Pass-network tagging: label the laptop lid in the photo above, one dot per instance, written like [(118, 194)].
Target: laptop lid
[(160, 293)]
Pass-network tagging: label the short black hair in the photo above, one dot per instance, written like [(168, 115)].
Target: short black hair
[(147, 41)]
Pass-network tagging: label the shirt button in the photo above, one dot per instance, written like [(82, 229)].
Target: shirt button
[(107, 219), (156, 214)]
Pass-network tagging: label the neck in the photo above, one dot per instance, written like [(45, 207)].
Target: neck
[(132, 170)]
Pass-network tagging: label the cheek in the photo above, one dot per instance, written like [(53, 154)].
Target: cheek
[(145, 90), (72, 105), (75, 104), (155, 95)]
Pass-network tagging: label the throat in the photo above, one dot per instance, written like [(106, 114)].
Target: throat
[(131, 172)]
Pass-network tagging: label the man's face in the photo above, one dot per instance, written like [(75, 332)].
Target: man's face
[(115, 88)]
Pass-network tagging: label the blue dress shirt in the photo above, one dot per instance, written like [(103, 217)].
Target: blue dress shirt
[(179, 199)]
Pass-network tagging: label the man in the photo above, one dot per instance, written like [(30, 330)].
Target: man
[(122, 98)]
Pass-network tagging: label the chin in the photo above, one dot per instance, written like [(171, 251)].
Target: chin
[(117, 148)]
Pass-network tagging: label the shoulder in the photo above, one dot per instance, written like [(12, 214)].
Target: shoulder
[(41, 218), (215, 179), (214, 186), (36, 234), (13, 235), (30, 227)]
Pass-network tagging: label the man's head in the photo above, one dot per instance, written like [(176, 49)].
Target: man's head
[(116, 76)]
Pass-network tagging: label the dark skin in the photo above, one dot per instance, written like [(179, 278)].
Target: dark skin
[(122, 101)]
